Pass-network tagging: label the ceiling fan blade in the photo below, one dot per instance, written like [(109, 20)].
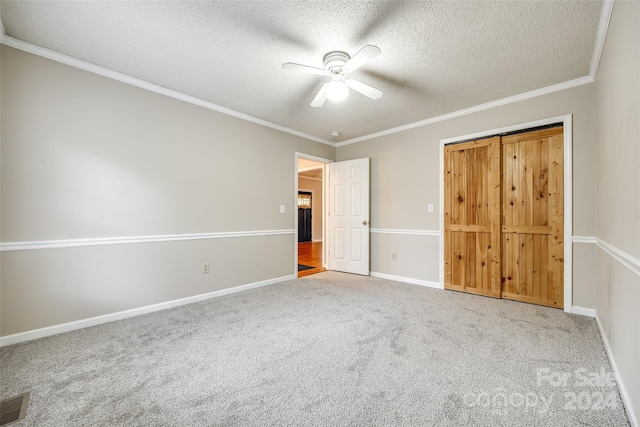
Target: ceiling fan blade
[(365, 89), (366, 53), (304, 68), (321, 97)]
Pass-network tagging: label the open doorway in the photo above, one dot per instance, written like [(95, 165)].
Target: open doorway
[(310, 216)]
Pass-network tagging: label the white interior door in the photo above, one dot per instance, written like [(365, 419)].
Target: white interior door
[(349, 216)]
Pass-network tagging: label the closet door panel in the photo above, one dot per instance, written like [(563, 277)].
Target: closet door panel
[(532, 217), (472, 217)]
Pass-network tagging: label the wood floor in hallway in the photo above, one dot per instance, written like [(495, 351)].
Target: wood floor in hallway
[(310, 253)]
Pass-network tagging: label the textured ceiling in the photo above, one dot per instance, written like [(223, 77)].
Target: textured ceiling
[(437, 57)]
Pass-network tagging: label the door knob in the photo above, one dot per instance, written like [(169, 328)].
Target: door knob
[(364, 222)]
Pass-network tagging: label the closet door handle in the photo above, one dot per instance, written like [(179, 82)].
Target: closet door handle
[(364, 222)]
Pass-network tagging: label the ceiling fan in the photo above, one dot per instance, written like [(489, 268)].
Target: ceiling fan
[(336, 65)]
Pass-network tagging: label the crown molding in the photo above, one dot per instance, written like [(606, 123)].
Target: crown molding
[(489, 105), (605, 17), (310, 168), (603, 26), (309, 178), (123, 78)]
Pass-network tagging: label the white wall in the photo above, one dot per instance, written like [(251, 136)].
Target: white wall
[(617, 107), (87, 157)]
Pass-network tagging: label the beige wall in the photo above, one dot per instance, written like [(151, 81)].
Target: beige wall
[(84, 156), (405, 180), (617, 101), (617, 107), (316, 204), (606, 190)]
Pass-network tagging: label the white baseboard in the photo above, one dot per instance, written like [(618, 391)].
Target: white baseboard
[(316, 241), (626, 399), (112, 317), (407, 280), (588, 312)]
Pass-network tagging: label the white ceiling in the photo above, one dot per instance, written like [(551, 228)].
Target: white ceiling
[(437, 57)]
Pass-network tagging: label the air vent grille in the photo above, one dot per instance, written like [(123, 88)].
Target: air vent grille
[(14, 409)]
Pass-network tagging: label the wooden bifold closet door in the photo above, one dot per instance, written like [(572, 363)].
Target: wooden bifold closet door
[(503, 217), (472, 217)]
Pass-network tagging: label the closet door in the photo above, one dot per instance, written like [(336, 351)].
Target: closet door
[(533, 218), (472, 216)]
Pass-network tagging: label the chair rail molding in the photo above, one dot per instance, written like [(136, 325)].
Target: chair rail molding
[(103, 241)]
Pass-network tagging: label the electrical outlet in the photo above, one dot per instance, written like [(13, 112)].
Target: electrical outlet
[(205, 268), (394, 256)]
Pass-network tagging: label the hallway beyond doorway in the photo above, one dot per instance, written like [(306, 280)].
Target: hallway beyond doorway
[(310, 254)]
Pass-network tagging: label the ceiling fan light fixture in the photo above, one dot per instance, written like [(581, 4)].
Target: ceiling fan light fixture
[(336, 65), (337, 90)]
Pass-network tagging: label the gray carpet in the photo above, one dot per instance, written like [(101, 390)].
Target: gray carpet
[(327, 350)]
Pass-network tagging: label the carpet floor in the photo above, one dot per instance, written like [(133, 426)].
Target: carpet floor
[(330, 349)]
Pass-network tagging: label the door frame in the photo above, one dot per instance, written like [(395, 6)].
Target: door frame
[(325, 188), (567, 122)]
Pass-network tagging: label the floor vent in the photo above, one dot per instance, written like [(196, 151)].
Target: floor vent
[(14, 409)]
